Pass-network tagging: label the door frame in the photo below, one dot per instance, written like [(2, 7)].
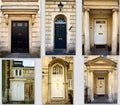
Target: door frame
[(12, 32), (19, 18), (106, 20)]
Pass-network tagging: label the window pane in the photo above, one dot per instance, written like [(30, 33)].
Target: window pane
[(20, 73), (16, 72)]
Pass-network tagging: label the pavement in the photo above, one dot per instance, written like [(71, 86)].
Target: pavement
[(100, 50), (60, 52), (21, 55), (102, 99)]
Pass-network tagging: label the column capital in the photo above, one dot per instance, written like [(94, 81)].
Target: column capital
[(114, 10), (86, 9)]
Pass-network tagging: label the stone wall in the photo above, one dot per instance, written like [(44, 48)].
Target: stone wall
[(8, 77), (29, 11), (46, 76), (69, 11)]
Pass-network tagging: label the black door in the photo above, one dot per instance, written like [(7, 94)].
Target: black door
[(60, 35), (20, 37)]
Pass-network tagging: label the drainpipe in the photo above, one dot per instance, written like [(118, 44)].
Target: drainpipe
[(8, 79)]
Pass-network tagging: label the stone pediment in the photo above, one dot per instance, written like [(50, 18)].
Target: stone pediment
[(100, 61)]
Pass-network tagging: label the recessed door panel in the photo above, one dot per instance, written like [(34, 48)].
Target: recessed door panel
[(20, 36), (100, 32), (100, 86)]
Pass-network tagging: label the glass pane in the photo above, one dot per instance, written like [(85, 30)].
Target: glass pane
[(19, 24), (20, 73), (16, 72), (60, 20), (14, 24), (57, 69)]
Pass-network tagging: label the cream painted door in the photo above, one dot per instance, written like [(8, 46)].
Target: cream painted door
[(100, 86), (100, 32), (57, 83), (17, 91)]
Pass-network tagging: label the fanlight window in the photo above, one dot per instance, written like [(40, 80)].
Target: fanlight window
[(60, 20), (57, 70)]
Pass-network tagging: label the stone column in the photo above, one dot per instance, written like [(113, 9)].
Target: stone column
[(86, 31), (49, 85), (110, 86), (88, 82), (114, 31), (92, 87), (66, 85)]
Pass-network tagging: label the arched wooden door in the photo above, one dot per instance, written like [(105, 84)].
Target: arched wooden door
[(60, 33), (57, 82)]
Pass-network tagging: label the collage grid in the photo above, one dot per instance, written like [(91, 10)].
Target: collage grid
[(78, 63)]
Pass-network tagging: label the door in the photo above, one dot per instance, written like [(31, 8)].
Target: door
[(20, 37), (17, 91), (100, 32), (57, 83), (100, 86), (60, 34)]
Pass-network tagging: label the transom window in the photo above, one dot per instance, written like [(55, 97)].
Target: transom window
[(99, 22), (57, 70), (60, 20), (18, 72), (70, 80)]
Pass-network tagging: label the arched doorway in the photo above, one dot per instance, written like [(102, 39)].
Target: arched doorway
[(57, 82), (60, 32)]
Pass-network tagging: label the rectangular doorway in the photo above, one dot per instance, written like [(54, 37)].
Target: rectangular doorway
[(17, 91), (100, 32), (20, 37), (100, 86)]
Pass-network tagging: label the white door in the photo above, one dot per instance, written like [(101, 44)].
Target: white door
[(17, 91), (100, 86), (57, 83), (100, 32)]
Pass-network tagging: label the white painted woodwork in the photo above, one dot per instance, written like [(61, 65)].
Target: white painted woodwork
[(100, 31), (57, 85), (100, 86), (17, 91)]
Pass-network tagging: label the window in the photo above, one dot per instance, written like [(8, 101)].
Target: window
[(70, 80), (17, 72), (57, 70)]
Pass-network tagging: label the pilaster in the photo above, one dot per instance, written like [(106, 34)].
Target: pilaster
[(114, 31)]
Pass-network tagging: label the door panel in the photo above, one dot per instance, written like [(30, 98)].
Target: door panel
[(60, 36), (100, 32), (17, 91), (20, 36), (100, 86)]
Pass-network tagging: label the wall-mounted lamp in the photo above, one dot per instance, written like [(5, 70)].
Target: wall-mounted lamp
[(60, 5)]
